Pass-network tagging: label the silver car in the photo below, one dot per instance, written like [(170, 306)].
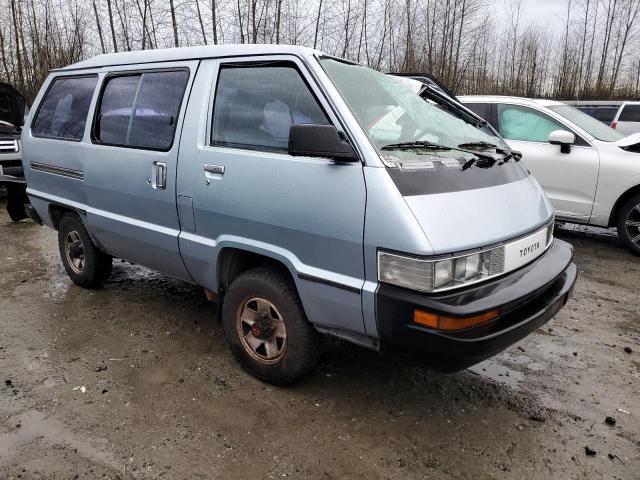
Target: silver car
[(308, 195)]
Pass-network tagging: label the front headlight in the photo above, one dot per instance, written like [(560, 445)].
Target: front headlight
[(439, 274), (436, 275)]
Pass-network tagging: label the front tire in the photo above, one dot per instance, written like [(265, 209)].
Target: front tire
[(85, 264), (629, 224), (267, 329)]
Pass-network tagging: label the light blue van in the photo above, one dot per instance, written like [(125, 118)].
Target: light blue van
[(309, 195)]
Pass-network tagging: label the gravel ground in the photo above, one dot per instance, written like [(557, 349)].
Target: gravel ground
[(134, 381)]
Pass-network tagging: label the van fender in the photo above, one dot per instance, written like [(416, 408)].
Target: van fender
[(329, 299)]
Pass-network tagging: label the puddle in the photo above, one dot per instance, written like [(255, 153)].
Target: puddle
[(35, 426), (498, 373)]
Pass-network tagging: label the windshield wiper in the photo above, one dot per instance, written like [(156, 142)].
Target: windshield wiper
[(507, 153), (481, 144), (480, 158), (415, 145)]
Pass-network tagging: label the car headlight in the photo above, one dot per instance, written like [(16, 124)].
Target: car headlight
[(439, 274), (435, 275)]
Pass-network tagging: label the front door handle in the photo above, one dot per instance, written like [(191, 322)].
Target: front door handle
[(159, 175), (214, 169)]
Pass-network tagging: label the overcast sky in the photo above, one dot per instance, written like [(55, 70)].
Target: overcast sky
[(544, 12)]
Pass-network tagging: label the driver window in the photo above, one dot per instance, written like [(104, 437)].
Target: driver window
[(255, 106), (523, 123)]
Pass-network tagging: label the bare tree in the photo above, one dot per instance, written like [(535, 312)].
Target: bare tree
[(174, 24), (113, 30), (214, 21), (95, 11)]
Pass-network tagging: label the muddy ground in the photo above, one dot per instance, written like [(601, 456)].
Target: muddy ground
[(165, 399)]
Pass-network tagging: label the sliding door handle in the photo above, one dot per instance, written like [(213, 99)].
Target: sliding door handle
[(159, 175)]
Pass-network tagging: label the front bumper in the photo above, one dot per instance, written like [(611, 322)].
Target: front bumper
[(526, 299), (11, 164), (16, 196)]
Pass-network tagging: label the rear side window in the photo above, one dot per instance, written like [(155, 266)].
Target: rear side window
[(630, 113), (63, 111), (141, 110), (255, 106)]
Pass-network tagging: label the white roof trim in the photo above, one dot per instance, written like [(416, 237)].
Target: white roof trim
[(186, 53)]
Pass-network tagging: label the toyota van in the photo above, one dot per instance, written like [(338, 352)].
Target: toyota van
[(306, 194)]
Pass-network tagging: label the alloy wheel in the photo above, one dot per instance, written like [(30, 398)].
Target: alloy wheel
[(74, 251), (632, 225), (262, 330)]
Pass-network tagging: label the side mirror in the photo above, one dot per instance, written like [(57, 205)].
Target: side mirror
[(563, 138), (311, 140)]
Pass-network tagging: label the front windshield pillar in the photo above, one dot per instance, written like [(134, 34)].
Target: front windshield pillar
[(344, 114)]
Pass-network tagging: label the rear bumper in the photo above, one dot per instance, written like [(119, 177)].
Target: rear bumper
[(526, 299)]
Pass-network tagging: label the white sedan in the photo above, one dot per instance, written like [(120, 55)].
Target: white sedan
[(590, 172)]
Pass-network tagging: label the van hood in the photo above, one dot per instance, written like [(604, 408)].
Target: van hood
[(8, 130), (489, 207), (12, 105), (630, 141)]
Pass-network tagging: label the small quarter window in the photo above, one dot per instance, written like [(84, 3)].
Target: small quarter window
[(63, 111), (630, 113), (483, 110), (255, 106), (141, 110)]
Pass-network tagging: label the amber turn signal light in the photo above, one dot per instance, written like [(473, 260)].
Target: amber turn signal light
[(441, 322)]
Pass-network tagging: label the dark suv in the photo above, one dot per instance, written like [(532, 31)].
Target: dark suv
[(12, 108), (12, 111)]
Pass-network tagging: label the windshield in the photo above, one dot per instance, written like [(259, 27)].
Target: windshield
[(391, 112), (593, 127)]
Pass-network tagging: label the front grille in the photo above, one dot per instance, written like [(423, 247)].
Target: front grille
[(9, 146), (496, 264)]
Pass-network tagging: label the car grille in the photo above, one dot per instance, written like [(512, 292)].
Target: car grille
[(8, 146)]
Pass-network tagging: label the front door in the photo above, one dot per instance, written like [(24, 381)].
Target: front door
[(130, 168), (568, 179), (250, 194)]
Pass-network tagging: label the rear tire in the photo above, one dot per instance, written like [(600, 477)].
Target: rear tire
[(85, 264), (266, 327), (629, 224)]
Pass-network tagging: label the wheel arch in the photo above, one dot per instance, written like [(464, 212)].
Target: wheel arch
[(57, 211), (232, 261), (613, 218)]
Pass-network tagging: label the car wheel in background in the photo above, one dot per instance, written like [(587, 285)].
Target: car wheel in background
[(629, 224), (266, 327), (85, 264)]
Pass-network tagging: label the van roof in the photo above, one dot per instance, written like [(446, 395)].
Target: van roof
[(186, 53)]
